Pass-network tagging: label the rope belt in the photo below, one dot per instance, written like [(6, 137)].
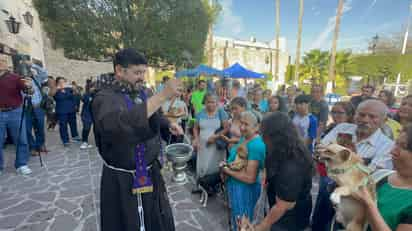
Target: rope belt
[(138, 195)]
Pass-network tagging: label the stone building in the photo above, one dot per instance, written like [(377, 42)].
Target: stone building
[(254, 55), (20, 29), (31, 40)]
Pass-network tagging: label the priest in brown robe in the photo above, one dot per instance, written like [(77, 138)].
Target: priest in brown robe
[(127, 123)]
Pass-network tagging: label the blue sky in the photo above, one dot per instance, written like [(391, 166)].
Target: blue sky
[(362, 19)]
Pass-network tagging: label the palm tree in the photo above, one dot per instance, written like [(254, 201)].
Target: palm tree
[(344, 63), (344, 67), (277, 39), (331, 79), (299, 41), (212, 5), (314, 66)]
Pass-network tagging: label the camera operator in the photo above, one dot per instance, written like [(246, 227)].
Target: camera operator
[(35, 116), (65, 98), (11, 100)]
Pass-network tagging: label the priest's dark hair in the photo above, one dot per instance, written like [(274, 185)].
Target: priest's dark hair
[(285, 143), (128, 56)]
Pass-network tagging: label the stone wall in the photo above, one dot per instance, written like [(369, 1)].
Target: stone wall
[(79, 71)]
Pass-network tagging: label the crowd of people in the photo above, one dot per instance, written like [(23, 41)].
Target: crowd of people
[(30, 101), (279, 132)]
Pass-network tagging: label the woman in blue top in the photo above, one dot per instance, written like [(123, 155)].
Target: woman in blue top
[(86, 115), (65, 110), (244, 185)]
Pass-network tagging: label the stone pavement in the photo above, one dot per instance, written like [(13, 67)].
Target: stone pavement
[(64, 195)]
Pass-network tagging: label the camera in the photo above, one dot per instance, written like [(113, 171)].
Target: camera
[(23, 69)]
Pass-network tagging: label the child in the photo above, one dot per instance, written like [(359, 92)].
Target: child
[(305, 122), (259, 103), (276, 103)]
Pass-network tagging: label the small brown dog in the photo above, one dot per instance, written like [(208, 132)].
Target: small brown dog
[(241, 159), (346, 168)]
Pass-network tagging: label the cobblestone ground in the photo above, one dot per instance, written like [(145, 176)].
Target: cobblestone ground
[(64, 194)]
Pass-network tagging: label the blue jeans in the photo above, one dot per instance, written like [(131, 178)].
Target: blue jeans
[(11, 120), (324, 211), (35, 121), (87, 126), (65, 119)]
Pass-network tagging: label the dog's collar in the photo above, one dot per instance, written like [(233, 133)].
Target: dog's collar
[(339, 171)]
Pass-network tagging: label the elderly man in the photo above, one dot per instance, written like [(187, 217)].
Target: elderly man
[(371, 144), (11, 109)]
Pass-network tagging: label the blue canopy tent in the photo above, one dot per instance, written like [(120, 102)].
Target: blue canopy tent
[(201, 70), (238, 71)]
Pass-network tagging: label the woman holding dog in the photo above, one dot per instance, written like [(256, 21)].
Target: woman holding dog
[(289, 169), (244, 185), (393, 211), (342, 112)]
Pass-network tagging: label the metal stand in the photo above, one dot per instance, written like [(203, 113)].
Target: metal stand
[(26, 106)]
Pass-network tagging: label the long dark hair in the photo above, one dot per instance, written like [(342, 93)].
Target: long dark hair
[(397, 117), (285, 142), (282, 104)]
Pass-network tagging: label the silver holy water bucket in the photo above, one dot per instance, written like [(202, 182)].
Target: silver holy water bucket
[(179, 154)]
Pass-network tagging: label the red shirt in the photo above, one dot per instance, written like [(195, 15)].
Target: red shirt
[(322, 169), (11, 86)]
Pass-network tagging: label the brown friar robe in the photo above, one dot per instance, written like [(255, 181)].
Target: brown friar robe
[(118, 130)]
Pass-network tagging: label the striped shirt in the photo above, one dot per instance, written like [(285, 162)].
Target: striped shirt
[(40, 76), (376, 147), (36, 97)]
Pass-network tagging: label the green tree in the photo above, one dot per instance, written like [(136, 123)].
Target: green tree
[(167, 31), (314, 66), (375, 68)]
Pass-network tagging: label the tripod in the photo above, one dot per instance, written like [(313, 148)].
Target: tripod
[(27, 105)]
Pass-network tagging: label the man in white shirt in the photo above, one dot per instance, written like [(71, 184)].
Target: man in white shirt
[(371, 144)]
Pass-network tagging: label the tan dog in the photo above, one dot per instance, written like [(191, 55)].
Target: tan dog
[(240, 161), (347, 169)]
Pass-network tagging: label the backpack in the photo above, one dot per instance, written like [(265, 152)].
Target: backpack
[(47, 103)]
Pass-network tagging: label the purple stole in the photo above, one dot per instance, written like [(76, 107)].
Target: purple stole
[(142, 182)]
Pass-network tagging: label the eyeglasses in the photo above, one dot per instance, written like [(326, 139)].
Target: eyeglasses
[(338, 112)]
